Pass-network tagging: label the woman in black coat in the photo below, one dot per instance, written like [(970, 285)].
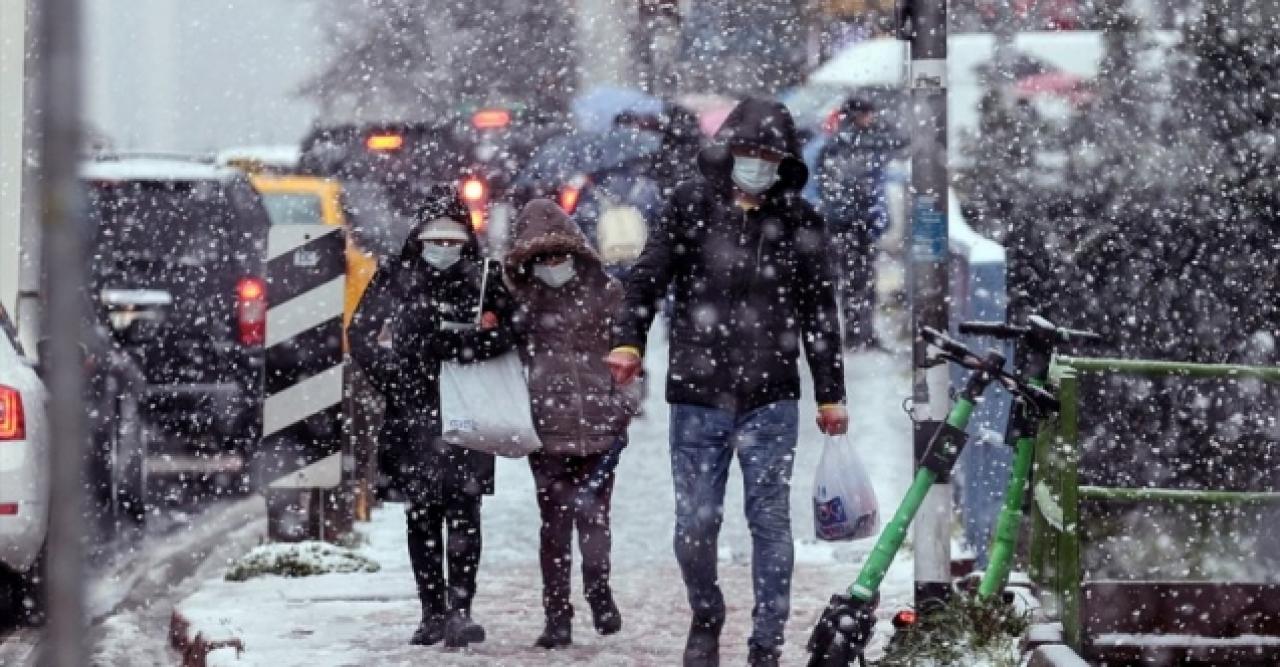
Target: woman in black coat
[(418, 311)]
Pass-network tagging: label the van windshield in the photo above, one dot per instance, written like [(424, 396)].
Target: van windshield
[(293, 208)]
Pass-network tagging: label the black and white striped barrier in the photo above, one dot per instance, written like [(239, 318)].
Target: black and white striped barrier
[(304, 458)]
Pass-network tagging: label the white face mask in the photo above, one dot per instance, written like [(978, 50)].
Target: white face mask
[(754, 175), (555, 276), (441, 256)]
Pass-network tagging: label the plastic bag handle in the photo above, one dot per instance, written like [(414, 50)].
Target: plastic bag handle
[(484, 283)]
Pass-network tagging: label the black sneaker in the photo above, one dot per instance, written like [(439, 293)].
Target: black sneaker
[(605, 615), (761, 656), (557, 634), (430, 631), (460, 630), (702, 648)]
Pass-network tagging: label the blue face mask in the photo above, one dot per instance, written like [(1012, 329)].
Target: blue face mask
[(754, 175), (441, 256), (555, 276)]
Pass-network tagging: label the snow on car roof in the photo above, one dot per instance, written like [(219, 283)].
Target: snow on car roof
[(285, 155), (154, 169)]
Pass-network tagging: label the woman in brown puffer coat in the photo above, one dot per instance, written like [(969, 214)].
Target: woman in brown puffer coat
[(565, 308)]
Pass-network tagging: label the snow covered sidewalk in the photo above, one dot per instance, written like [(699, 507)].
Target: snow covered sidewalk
[(366, 618)]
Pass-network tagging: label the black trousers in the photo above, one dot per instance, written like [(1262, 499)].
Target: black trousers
[(854, 253), (439, 531), (574, 491)]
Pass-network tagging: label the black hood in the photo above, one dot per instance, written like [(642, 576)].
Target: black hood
[(440, 202), (759, 123)]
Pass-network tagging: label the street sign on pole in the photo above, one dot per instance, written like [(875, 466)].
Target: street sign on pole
[(924, 23)]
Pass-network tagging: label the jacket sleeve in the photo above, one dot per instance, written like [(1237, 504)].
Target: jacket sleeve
[(649, 277), (818, 315), (375, 312), (477, 344)]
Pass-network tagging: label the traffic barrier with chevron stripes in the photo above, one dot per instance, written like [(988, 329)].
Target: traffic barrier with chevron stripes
[(304, 459)]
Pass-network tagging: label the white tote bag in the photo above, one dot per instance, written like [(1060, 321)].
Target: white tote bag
[(484, 405), (844, 503)]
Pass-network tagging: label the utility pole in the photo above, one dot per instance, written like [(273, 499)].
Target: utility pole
[(924, 23), (61, 208)]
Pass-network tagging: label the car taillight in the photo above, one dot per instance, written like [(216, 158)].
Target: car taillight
[(474, 194), (384, 142), (571, 193), (251, 311), (491, 119), (12, 422)]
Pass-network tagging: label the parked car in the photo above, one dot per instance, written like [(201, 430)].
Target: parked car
[(24, 473), (176, 276)]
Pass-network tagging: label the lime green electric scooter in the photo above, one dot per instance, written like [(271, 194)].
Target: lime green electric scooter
[(847, 624)]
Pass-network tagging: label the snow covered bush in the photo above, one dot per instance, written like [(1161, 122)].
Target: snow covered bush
[(965, 631), (300, 559)]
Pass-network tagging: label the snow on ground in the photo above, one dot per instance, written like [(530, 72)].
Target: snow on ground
[(366, 618)]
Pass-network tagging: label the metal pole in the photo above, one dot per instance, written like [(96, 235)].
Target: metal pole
[(929, 280), (58, 110)]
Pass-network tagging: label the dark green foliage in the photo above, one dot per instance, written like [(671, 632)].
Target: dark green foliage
[(965, 631)]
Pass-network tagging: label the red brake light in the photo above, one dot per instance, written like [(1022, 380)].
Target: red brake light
[(8, 509), (473, 190), (491, 119), (904, 618), (12, 420), (251, 311), (569, 196), (384, 142)]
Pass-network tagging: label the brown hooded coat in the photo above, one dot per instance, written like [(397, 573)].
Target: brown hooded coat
[(566, 332)]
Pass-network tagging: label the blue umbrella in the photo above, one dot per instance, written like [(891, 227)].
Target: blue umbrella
[(593, 111)]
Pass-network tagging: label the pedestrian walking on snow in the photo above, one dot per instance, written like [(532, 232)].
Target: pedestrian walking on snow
[(566, 303), (416, 313), (851, 183), (744, 255)]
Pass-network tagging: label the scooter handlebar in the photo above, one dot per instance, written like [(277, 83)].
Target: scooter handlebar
[(993, 329), (945, 343), (1040, 328)]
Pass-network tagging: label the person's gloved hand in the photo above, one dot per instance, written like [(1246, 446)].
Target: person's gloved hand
[(624, 365), (833, 419)]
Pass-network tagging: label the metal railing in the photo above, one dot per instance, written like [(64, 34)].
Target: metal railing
[(1059, 535)]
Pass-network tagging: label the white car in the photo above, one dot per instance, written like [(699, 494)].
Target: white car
[(24, 470)]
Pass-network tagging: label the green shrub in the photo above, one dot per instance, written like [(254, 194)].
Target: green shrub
[(300, 559)]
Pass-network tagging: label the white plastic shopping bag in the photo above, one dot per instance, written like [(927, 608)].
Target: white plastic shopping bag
[(844, 503), (485, 406)]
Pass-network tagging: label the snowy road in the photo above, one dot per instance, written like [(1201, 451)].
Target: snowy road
[(361, 619)]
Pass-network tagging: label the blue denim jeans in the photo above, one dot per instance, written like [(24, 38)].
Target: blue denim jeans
[(703, 441)]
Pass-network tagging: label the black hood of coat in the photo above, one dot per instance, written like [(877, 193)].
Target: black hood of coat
[(759, 123), (440, 202)]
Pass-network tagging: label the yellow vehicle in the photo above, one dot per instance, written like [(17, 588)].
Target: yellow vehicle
[(308, 200)]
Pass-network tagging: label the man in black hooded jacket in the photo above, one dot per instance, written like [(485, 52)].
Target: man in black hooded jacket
[(746, 258)]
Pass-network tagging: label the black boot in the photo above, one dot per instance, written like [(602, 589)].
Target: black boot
[(604, 613), (702, 648), (557, 634), (430, 631), (761, 656), (460, 630)]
